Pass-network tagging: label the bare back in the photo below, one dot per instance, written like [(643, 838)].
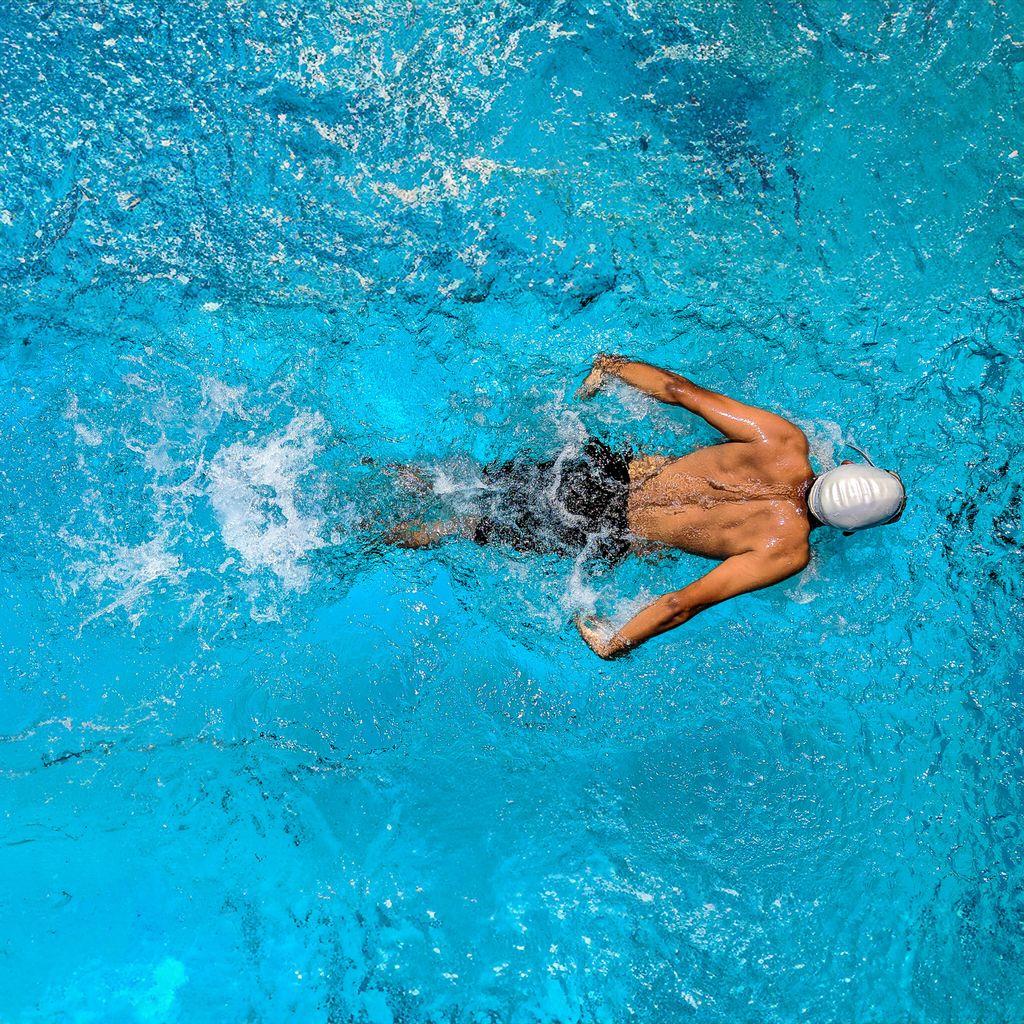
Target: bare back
[(725, 499)]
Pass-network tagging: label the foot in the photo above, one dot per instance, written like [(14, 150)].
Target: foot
[(411, 479), (416, 534)]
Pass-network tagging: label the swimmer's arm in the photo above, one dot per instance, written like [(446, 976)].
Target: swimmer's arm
[(740, 574), (737, 421)]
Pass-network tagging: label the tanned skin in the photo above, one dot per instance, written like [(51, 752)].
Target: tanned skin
[(742, 503)]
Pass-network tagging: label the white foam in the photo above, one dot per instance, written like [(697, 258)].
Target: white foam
[(131, 571), (89, 436), (824, 439), (84, 430), (255, 490), (804, 590), (572, 431), (579, 595), (627, 608), (219, 399), (457, 480)]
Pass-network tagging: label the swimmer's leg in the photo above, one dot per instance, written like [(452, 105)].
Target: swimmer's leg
[(415, 479), (416, 534)]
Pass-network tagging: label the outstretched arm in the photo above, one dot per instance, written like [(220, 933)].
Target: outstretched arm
[(739, 422), (739, 574)]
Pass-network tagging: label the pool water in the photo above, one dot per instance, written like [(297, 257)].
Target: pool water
[(257, 766)]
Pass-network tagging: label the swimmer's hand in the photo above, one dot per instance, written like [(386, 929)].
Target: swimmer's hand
[(600, 637), (591, 383), (594, 380)]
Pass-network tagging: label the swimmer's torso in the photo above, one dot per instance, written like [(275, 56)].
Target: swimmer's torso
[(722, 500)]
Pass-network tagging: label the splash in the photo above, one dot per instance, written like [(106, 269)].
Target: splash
[(825, 439), (131, 572), (255, 491)]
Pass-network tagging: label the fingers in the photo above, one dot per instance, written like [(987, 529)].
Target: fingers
[(590, 385), (592, 629), (594, 380)]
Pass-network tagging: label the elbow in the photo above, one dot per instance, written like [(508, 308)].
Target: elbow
[(678, 611), (674, 392)]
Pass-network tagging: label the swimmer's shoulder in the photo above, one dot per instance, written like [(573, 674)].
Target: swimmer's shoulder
[(787, 540), (791, 437), (783, 457), (793, 450), (787, 549)]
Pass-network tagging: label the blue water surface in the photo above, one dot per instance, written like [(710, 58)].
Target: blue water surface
[(257, 767)]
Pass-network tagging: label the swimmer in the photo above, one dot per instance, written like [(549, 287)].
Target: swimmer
[(750, 503)]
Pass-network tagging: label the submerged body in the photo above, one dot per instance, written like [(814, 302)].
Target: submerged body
[(576, 504), (744, 503)]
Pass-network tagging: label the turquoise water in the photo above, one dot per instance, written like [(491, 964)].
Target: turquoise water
[(256, 767)]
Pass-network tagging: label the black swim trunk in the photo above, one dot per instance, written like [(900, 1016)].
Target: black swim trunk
[(573, 504)]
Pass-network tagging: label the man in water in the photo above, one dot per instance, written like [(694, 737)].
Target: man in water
[(750, 503)]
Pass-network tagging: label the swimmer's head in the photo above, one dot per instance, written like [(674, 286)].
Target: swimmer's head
[(855, 496)]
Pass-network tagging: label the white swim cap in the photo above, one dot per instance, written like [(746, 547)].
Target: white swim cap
[(856, 496)]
